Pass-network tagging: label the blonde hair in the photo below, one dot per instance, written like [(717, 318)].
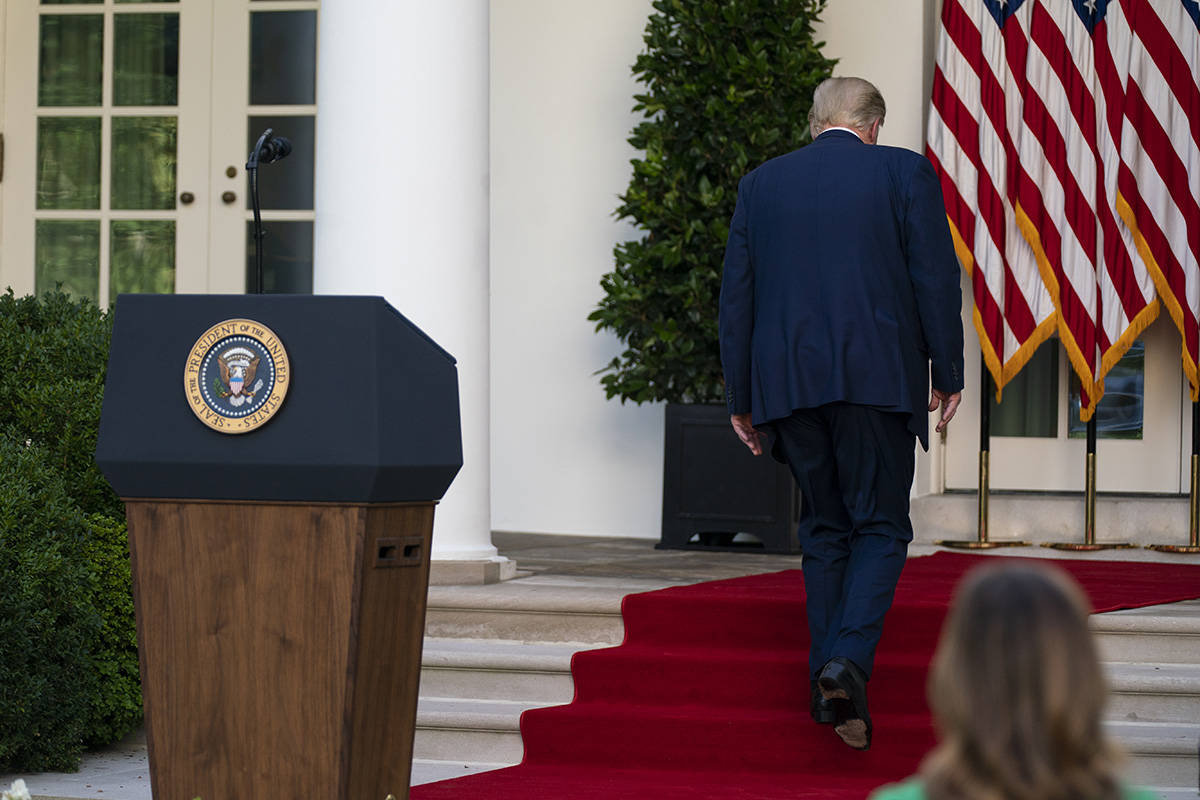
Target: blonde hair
[(845, 102), (1018, 694)]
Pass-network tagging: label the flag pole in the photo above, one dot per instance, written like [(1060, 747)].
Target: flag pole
[(1193, 545), (982, 542), (1089, 500)]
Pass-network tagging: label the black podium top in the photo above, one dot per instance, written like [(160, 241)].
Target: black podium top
[(370, 413)]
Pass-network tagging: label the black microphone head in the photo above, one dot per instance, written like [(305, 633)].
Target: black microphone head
[(275, 148)]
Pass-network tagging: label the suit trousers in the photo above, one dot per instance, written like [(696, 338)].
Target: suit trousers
[(854, 466)]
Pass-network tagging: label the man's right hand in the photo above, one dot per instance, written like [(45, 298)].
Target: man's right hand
[(746, 432), (948, 402)]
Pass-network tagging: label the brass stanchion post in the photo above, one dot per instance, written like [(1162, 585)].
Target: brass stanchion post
[(985, 424), (1193, 545), (1089, 499)]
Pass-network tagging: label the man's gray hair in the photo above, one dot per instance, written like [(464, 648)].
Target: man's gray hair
[(846, 103)]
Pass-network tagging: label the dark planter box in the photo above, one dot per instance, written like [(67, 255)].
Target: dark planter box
[(714, 489)]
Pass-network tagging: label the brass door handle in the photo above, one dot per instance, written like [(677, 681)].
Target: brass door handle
[(228, 197), (187, 198)]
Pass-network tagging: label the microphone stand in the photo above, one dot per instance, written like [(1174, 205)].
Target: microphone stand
[(252, 171)]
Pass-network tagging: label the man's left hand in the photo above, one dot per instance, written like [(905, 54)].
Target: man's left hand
[(750, 437), (948, 402)]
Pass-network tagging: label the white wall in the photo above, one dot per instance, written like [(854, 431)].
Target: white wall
[(885, 43), (565, 460)]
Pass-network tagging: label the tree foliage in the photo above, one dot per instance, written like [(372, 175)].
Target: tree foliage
[(728, 86)]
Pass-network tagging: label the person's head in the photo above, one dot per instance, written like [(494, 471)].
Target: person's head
[(1017, 692), (847, 103)]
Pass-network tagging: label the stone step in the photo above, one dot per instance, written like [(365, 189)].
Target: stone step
[(1159, 753), (490, 669), (1167, 634), (495, 669), (486, 731), (428, 770), (1153, 692), (522, 612), (1174, 792)]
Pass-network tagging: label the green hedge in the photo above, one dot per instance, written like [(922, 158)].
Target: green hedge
[(68, 645), (48, 625), (53, 355)]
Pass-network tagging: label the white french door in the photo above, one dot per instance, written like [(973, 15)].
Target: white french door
[(264, 75), (127, 125)]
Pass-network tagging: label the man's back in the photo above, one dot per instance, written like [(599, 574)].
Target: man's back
[(845, 258)]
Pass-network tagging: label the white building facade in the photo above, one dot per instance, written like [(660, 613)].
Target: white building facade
[(463, 159)]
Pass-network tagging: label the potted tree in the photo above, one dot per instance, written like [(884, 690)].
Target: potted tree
[(727, 86)]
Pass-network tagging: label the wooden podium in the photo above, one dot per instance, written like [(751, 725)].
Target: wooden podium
[(280, 572)]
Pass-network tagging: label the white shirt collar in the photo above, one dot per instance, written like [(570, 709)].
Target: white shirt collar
[(840, 128)]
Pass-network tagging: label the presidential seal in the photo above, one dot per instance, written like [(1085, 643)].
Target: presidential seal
[(236, 376)]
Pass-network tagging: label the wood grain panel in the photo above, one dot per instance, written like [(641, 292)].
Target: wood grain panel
[(390, 632), (255, 668)]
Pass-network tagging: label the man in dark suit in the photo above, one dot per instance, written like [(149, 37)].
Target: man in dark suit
[(840, 297)]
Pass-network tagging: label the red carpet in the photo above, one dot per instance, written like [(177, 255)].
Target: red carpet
[(708, 695)]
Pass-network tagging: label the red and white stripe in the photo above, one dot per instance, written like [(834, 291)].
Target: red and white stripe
[(972, 142), (1159, 177), (1069, 150)]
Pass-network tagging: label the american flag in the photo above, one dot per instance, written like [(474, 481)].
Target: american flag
[(1159, 176), (974, 127), (1090, 193)]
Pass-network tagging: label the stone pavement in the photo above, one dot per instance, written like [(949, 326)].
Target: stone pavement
[(122, 772)]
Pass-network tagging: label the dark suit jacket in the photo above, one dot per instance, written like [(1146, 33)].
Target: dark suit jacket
[(840, 284)]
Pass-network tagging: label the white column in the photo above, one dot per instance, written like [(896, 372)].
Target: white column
[(402, 201)]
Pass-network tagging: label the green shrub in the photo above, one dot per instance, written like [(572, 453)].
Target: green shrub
[(48, 624), (68, 643), (117, 706), (53, 356), (728, 86)]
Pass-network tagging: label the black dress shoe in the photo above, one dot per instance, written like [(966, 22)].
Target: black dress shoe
[(841, 679), (820, 708)]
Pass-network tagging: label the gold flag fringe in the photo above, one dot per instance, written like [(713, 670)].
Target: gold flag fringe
[(1002, 372), (1165, 294), (1079, 361)]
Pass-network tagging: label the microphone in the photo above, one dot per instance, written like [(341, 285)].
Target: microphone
[(274, 149)]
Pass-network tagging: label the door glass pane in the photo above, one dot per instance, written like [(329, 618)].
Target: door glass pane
[(1030, 400), (146, 60), (67, 253), (143, 153), (287, 257), (283, 58), (286, 184), (71, 59), (1119, 413), (143, 257), (68, 162)]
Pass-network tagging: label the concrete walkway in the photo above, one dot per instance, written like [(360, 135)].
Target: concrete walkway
[(544, 561)]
